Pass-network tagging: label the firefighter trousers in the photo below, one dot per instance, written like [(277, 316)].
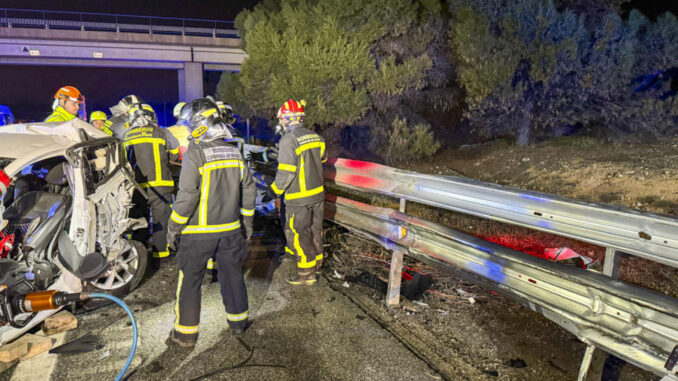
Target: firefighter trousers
[(303, 233), (230, 253), (156, 210)]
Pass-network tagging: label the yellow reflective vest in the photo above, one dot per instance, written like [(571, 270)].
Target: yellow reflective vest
[(60, 115)]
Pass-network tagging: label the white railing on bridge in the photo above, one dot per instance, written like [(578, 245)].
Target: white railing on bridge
[(105, 22)]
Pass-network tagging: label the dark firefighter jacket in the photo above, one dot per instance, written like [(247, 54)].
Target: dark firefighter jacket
[(215, 190), (300, 169), (149, 150), (118, 125)]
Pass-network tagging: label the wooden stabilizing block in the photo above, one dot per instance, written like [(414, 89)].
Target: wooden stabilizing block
[(63, 321), (12, 351), (36, 345)]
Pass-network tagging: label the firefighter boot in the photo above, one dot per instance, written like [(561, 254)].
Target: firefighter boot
[(303, 278), (183, 340)]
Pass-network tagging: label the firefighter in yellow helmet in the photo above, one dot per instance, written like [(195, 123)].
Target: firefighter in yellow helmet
[(300, 179), (98, 119), (67, 103)]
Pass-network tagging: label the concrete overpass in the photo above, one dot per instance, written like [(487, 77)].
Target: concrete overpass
[(189, 50)]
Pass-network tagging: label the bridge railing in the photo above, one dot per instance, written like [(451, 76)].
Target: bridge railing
[(106, 22)]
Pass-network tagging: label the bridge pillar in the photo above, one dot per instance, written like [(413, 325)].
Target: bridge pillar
[(190, 81)]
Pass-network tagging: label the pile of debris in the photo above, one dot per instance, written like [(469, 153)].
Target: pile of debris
[(356, 259)]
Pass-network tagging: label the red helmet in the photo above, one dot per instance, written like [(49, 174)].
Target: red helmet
[(292, 109)]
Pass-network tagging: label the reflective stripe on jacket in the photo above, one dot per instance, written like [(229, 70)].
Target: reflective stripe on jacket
[(60, 115), (300, 169), (106, 130), (215, 190), (148, 151)]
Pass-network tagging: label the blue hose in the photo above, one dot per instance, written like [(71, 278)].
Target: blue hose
[(134, 329)]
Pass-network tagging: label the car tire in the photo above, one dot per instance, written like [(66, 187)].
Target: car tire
[(129, 286)]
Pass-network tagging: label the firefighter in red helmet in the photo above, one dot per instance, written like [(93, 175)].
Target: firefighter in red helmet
[(300, 179)]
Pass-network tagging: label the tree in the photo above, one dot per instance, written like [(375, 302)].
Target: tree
[(358, 63), (520, 66), (529, 69)]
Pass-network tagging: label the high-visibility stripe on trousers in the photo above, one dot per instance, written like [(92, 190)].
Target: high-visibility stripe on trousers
[(192, 257), (303, 232)]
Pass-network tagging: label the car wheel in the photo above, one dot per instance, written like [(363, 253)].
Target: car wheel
[(125, 274)]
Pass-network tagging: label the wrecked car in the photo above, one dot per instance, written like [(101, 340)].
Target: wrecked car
[(66, 220)]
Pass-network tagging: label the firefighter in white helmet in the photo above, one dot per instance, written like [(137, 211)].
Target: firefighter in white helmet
[(214, 213)]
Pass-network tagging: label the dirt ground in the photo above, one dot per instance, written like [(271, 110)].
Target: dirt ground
[(462, 330), (497, 336)]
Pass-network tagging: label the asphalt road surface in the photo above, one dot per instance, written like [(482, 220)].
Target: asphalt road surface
[(300, 333)]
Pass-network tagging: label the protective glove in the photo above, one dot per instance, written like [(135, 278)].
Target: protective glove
[(255, 156), (271, 154), (172, 239), (248, 223)]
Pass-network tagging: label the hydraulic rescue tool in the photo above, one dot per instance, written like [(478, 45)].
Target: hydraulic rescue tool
[(13, 305)]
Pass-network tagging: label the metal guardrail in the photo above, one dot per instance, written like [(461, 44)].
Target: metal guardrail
[(644, 235), (84, 21), (632, 323)]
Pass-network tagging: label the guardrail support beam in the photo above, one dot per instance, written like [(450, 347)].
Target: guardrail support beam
[(394, 279), (611, 264), (586, 363)]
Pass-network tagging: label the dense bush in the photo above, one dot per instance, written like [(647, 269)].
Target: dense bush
[(406, 143), (382, 74), (531, 69)]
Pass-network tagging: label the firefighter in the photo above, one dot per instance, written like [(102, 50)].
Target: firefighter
[(149, 151), (300, 180), (213, 212), (97, 119), (117, 124), (67, 103)]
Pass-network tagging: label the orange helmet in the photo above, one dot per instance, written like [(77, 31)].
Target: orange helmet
[(292, 109), (69, 93)]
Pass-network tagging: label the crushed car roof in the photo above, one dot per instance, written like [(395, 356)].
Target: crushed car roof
[(16, 146)]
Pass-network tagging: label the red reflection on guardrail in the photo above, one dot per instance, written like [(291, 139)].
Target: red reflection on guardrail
[(336, 169)]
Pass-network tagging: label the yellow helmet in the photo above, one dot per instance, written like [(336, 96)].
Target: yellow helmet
[(97, 115)]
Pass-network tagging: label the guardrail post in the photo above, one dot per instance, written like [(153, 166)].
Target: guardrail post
[(117, 26), (611, 264), (44, 20), (214, 31), (394, 279), (403, 205), (586, 362)]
